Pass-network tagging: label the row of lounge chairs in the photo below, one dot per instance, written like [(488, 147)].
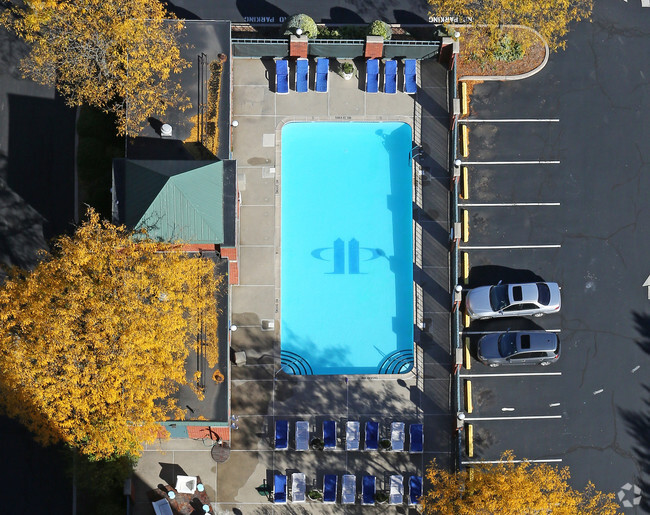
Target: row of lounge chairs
[(322, 76), (348, 489), (352, 435)]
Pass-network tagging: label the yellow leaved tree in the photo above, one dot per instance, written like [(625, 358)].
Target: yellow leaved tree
[(551, 18), (94, 340), (120, 56), (511, 488)]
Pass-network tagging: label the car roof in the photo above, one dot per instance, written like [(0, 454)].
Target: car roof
[(523, 292), (536, 341)]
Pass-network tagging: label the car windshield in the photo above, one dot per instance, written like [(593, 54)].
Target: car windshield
[(544, 293), (507, 344), (499, 297)]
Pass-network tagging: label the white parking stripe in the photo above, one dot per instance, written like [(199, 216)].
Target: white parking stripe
[(488, 462), (507, 247), (509, 204), (510, 120), (510, 162), (531, 417), (514, 374)]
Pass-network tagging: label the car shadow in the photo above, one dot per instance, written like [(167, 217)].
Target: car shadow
[(491, 274)]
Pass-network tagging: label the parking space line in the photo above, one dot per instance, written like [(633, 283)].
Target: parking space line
[(511, 162), (514, 374), (509, 204), (530, 417), (510, 120), (494, 462), (474, 332), (508, 247)]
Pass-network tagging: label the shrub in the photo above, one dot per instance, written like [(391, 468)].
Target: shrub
[(380, 28), (353, 32), (347, 67), (217, 377), (508, 50), (326, 33), (302, 22)]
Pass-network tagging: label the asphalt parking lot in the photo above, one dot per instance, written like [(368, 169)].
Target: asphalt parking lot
[(561, 193)]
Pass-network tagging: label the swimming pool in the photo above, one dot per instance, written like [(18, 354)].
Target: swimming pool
[(347, 248)]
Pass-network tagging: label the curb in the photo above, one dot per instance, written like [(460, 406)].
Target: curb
[(520, 76)]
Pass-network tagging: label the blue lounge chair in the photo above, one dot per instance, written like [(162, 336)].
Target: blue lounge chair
[(322, 74), (416, 438), (349, 489), (302, 75), (329, 434), (302, 435), (410, 74), (330, 485), (415, 489), (298, 487), (372, 75), (372, 435), (390, 76), (397, 436), (279, 489), (396, 489), (368, 490), (352, 435), (281, 434), (282, 76)]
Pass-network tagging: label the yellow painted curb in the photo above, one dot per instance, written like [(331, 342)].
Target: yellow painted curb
[(470, 474), (470, 440), (464, 109), (465, 140), (468, 361), (464, 192), (464, 256), (468, 395), (467, 320), (465, 219)]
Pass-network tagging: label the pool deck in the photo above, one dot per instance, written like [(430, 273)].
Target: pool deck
[(261, 393)]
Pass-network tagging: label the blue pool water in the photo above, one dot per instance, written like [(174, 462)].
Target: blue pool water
[(347, 248)]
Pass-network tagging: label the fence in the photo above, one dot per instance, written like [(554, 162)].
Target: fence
[(335, 48)]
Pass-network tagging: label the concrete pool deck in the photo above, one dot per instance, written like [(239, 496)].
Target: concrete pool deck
[(261, 393)]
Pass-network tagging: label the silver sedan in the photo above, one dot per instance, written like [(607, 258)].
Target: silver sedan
[(510, 300)]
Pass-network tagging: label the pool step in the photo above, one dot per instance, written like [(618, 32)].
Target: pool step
[(295, 364), (398, 362)]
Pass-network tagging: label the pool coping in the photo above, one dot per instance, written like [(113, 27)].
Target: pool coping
[(409, 120)]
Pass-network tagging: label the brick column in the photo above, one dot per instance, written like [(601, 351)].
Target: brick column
[(374, 47), (446, 50), (298, 46)]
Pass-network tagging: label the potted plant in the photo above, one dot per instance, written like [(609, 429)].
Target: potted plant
[(381, 497), (317, 444), (314, 495), (385, 444), (347, 69)]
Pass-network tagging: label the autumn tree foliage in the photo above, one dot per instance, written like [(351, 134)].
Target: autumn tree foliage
[(93, 341), (551, 18), (511, 488), (118, 55)]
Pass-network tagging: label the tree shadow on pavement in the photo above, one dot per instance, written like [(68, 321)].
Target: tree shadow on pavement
[(638, 424)]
